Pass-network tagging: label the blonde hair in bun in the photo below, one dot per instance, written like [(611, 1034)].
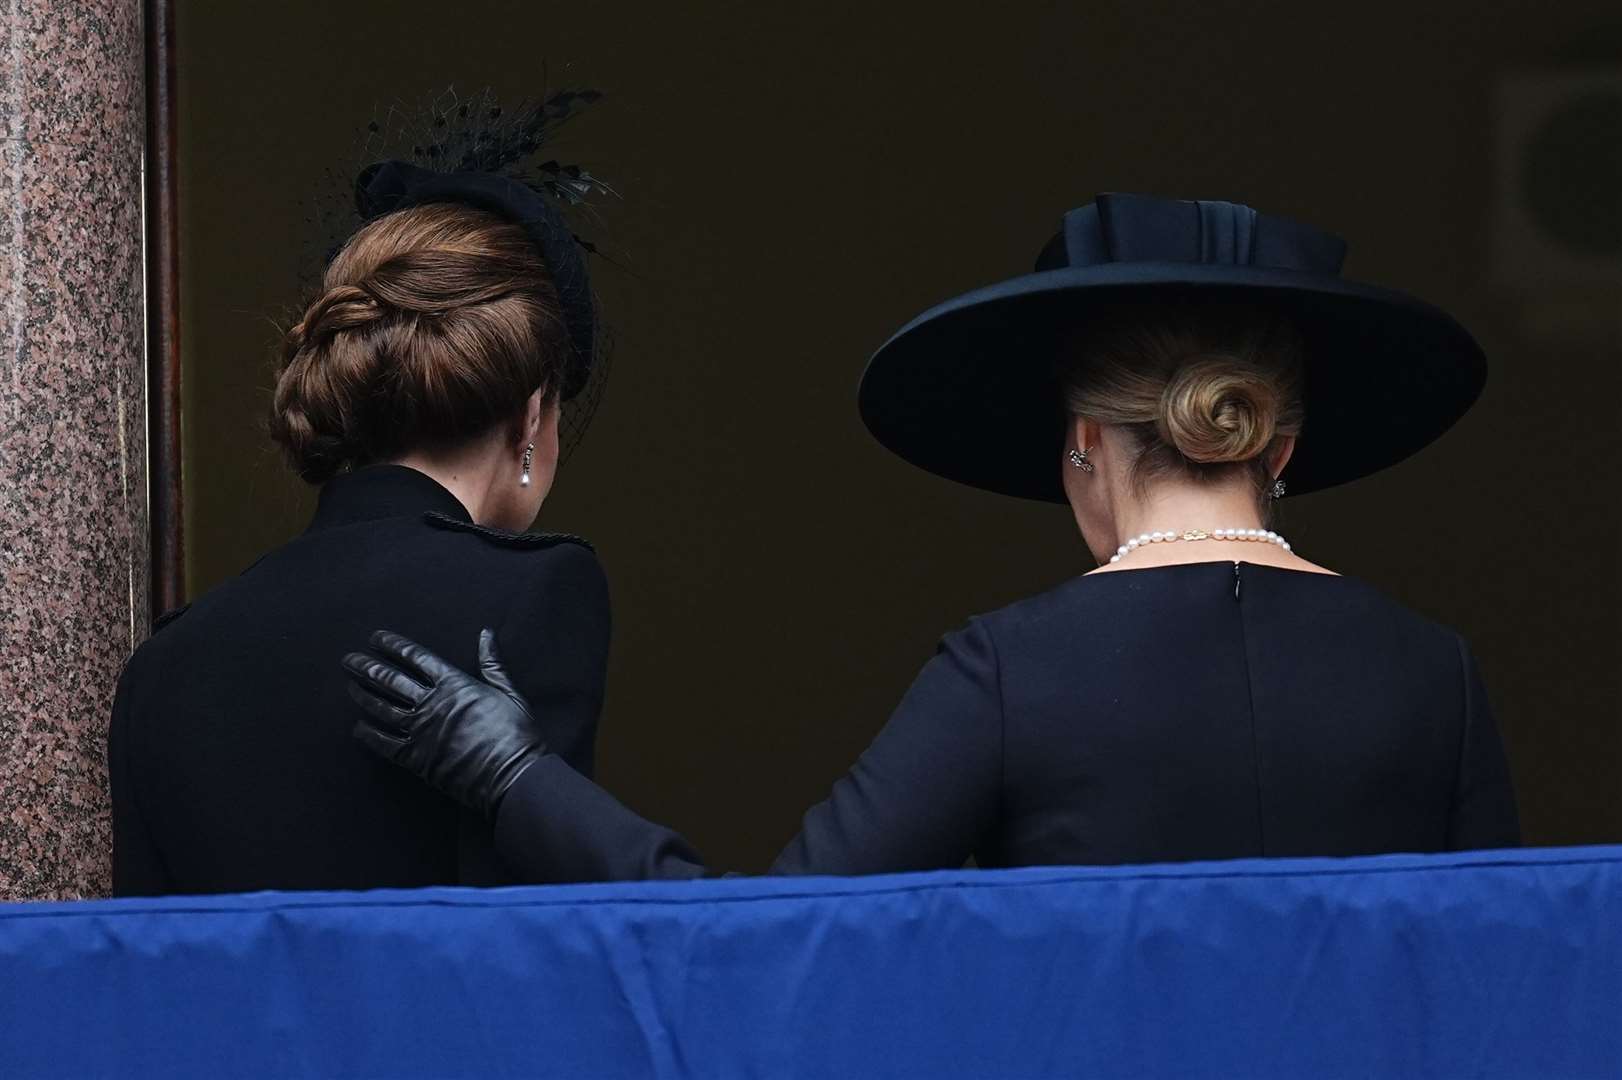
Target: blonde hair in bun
[(1217, 410), (1205, 388)]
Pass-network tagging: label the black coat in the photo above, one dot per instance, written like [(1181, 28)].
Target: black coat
[(233, 767), (1210, 711)]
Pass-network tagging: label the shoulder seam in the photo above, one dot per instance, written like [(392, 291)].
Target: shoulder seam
[(168, 617), (505, 538)]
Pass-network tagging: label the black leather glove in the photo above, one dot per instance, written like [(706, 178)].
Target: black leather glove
[(469, 737)]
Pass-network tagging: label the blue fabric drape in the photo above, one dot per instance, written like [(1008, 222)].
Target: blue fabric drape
[(1480, 964)]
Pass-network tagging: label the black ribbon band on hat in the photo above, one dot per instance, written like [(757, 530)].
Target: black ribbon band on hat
[(1142, 228), (1226, 232), (393, 185)]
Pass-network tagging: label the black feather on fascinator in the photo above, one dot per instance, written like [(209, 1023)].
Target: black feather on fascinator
[(476, 151)]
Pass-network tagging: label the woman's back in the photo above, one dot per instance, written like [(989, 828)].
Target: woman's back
[(1209, 710), (1219, 710), (422, 388), (232, 762)]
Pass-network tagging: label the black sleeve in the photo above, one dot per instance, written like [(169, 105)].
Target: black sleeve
[(1484, 814), (554, 642), (921, 797), (138, 870), (926, 793), (554, 826)]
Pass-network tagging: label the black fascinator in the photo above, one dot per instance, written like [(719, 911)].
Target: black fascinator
[(479, 152)]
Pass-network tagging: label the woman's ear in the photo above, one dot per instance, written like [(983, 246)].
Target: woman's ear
[(1086, 433), (529, 428), (1280, 456)]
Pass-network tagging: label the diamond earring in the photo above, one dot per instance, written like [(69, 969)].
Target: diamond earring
[(1078, 458), (1277, 490), (529, 456)]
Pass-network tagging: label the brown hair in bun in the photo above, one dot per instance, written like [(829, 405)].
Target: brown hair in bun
[(434, 323)]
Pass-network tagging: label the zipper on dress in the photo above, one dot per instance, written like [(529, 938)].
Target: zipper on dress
[(1236, 581)]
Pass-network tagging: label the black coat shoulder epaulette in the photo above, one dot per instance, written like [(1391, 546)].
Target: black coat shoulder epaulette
[(505, 538), (169, 616)]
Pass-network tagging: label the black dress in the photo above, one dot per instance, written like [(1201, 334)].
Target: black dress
[(232, 763), (1208, 711)]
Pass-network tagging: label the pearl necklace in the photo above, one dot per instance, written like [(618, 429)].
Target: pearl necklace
[(1261, 535)]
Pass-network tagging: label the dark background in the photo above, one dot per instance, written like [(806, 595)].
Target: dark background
[(798, 181)]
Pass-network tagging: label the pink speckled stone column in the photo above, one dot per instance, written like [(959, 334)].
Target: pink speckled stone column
[(73, 532)]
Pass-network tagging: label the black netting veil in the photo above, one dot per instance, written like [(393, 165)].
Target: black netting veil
[(475, 148)]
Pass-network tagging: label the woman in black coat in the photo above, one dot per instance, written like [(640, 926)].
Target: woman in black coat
[(422, 389), (1206, 693)]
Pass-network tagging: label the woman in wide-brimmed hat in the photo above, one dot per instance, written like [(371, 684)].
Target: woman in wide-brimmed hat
[(1169, 370)]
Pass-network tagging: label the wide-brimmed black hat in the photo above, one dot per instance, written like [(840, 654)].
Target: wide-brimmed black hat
[(967, 389)]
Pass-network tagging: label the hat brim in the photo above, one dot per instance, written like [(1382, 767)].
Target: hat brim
[(967, 391)]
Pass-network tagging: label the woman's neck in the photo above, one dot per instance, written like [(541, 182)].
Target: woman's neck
[(468, 475), (1203, 508), (1183, 507)]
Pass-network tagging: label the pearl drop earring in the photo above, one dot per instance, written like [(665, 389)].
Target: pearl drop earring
[(529, 456)]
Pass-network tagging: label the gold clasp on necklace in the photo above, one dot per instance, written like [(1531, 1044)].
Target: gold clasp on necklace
[(1196, 534)]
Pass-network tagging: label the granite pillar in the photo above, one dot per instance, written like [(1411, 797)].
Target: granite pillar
[(73, 494)]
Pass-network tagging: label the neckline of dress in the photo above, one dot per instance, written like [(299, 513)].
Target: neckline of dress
[(1101, 573)]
